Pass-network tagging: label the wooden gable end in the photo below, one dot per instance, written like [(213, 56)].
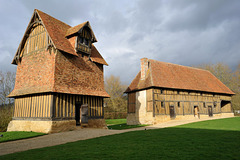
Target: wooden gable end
[(35, 39)]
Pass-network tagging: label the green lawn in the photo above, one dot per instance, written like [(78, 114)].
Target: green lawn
[(119, 124), (115, 121), (11, 136), (214, 139), (230, 124)]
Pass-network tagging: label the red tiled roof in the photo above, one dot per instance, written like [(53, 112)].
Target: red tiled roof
[(167, 75), (57, 30), (96, 56), (75, 74), (75, 29)]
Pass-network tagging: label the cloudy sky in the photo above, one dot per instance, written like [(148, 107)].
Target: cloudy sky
[(177, 31)]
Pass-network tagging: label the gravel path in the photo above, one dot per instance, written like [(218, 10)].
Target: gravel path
[(80, 134)]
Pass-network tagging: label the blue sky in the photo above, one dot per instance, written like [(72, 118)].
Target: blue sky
[(176, 31)]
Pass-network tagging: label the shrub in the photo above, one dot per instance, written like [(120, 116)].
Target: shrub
[(6, 113)]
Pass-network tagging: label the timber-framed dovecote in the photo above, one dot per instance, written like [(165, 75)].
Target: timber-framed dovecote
[(164, 91), (59, 79)]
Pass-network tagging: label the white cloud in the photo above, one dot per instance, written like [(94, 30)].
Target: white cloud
[(183, 32)]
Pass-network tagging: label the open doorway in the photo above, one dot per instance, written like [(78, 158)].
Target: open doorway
[(78, 113), (196, 112), (226, 106), (210, 112), (172, 112)]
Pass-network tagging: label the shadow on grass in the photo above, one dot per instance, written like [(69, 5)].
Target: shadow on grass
[(166, 143), (125, 126)]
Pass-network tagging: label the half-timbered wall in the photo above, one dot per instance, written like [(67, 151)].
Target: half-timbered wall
[(34, 106), (36, 41), (65, 105), (159, 101), (57, 106)]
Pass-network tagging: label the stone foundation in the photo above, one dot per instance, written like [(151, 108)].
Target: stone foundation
[(97, 123), (42, 126), (133, 119)]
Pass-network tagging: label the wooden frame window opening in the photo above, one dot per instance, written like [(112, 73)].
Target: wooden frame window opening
[(215, 104), (162, 104), (131, 102), (161, 91), (178, 104)]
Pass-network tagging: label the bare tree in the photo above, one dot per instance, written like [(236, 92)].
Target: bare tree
[(229, 77), (7, 81), (118, 100)]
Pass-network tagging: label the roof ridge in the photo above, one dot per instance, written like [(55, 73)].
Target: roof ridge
[(169, 75), (180, 65), (52, 17)]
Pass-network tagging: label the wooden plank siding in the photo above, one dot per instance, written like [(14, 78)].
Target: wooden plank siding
[(36, 41), (131, 102), (33, 106), (63, 106), (184, 102)]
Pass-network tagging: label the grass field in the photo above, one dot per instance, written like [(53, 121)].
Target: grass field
[(11, 136), (115, 121), (214, 139), (119, 124)]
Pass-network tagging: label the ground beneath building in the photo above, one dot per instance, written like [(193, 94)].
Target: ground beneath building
[(80, 134)]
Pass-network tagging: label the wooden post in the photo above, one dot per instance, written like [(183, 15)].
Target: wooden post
[(103, 107), (52, 109), (153, 102)]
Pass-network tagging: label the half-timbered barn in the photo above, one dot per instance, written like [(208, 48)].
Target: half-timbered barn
[(164, 91), (59, 79)]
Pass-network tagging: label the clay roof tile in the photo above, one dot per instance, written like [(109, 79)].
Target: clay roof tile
[(168, 75)]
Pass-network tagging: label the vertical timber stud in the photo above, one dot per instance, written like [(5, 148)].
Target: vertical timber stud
[(52, 109), (103, 107), (153, 102)]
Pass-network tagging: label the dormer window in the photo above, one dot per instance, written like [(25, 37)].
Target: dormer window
[(81, 39), (84, 41)]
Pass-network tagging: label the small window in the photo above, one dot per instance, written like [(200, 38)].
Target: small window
[(178, 104), (86, 41), (81, 39), (178, 92), (204, 104), (161, 91), (162, 105), (215, 104)]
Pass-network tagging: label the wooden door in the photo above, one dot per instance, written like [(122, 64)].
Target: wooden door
[(172, 112), (210, 113), (84, 114)]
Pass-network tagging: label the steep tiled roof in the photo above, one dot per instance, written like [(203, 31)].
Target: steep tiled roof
[(60, 72), (96, 56), (75, 29), (57, 30), (167, 75)]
